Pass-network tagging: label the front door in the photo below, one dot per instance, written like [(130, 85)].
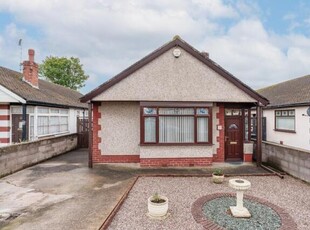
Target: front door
[(233, 139)]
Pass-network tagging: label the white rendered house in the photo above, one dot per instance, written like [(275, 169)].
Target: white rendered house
[(288, 114), (31, 108)]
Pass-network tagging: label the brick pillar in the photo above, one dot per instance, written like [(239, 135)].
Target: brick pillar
[(220, 151), (96, 139)]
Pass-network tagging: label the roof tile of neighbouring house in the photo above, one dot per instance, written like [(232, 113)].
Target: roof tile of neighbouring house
[(48, 93), (177, 41), (292, 92)]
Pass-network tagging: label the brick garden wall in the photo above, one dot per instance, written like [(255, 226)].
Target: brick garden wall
[(292, 160), (19, 156)]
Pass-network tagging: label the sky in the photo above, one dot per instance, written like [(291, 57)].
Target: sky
[(261, 42)]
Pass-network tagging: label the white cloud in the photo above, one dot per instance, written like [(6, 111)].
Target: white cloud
[(108, 36)]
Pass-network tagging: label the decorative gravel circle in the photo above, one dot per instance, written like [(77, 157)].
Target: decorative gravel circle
[(262, 216), (212, 211)]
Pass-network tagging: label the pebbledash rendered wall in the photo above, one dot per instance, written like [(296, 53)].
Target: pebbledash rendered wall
[(116, 112), (292, 160), (118, 139), (19, 156)]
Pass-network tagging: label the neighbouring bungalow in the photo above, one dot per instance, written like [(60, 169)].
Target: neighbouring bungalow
[(31, 108), (288, 114), (174, 107)]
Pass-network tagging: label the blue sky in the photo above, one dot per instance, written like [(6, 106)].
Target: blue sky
[(261, 42)]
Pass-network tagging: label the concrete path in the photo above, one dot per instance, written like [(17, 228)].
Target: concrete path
[(63, 193)]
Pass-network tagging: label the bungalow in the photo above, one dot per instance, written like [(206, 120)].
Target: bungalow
[(288, 114), (174, 107), (31, 108)]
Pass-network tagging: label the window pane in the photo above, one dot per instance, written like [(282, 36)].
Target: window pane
[(228, 112), (31, 127), (284, 113), (278, 113), (246, 126), (16, 110), (285, 123), (202, 111), (176, 129), (54, 110), (176, 111), (149, 111), (150, 129), (236, 112), (54, 124), (64, 124), (42, 125), (291, 113), (202, 129), (43, 110)]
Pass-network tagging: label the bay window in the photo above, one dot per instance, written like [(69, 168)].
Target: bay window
[(173, 125)]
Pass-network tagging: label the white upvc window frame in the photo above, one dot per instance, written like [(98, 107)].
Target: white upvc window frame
[(51, 113)]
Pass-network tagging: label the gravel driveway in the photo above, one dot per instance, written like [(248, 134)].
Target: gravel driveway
[(291, 194)]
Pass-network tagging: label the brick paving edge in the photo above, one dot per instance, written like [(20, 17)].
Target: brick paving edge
[(287, 222)]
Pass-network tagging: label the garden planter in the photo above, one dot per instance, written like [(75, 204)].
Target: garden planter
[(157, 209), (217, 179)]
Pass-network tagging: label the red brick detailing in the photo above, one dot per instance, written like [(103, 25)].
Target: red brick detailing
[(97, 157), (96, 153), (30, 71), (116, 159), (4, 129), (247, 157), (220, 151), (175, 162), (4, 117), (4, 107), (4, 140)]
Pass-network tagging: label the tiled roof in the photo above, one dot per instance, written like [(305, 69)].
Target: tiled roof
[(292, 92), (48, 92)]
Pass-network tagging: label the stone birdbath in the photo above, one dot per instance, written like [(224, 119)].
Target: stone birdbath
[(240, 185)]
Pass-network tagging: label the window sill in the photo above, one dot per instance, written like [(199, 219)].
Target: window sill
[(175, 144), (284, 131)]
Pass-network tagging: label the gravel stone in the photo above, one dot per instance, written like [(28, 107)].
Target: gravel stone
[(289, 193), (262, 216)]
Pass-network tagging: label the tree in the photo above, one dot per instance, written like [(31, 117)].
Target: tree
[(64, 71)]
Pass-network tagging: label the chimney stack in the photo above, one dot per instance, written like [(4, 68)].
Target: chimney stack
[(205, 54), (30, 70)]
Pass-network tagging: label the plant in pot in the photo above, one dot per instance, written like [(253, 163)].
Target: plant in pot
[(218, 176), (157, 206)]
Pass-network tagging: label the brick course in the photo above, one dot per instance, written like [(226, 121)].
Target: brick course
[(116, 159), (175, 162)]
